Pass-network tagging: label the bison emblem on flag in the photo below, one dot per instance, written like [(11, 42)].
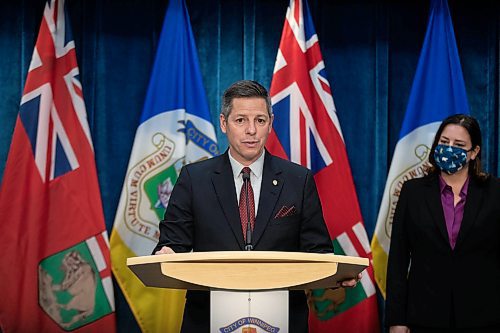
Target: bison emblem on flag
[(74, 285)]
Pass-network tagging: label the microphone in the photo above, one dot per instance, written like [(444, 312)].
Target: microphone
[(248, 242)]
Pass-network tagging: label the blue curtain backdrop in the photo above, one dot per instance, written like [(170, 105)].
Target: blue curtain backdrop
[(370, 49)]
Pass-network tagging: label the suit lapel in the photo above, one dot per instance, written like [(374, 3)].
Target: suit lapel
[(272, 183), (472, 205), (433, 198), (223, 182)]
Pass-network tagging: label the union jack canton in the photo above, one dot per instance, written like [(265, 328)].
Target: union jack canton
[(52, 103)]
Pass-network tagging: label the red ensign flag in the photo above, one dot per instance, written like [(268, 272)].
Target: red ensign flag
[(54, 248), (307, 131)]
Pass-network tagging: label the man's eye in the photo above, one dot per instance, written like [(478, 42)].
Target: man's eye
[(239, 120), (261, 121)]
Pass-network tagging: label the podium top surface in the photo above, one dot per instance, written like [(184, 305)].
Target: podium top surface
[(245, 270), (246, 256)]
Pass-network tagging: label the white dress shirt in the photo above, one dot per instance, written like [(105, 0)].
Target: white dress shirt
[(255, 177)]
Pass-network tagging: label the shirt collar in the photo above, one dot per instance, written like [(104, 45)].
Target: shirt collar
[(443, 185), (256, 166)]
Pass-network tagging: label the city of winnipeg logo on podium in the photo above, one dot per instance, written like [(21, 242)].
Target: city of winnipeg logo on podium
[(74, 285), (245, 324)]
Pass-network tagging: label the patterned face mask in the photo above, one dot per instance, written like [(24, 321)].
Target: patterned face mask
[(450, 159)]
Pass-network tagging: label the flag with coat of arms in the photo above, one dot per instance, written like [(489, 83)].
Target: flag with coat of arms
[(175, 129), (55, 264), (307, 131), (438, 91)]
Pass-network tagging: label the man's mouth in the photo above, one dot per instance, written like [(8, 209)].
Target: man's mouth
[(250, 143)]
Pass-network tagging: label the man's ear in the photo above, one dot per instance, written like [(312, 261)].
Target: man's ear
[(271, 124), (222, 123)]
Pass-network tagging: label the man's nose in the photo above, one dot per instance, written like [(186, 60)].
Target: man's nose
[(251, 129)]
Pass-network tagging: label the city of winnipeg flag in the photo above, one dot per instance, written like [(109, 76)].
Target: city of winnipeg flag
[(55, 265), (438, 91), (175, 129), (307, 131)]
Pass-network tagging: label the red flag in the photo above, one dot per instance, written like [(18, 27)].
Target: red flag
[(307, 131), (55, 264)]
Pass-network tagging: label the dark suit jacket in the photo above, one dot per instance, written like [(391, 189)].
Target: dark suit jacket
[(444, 284), (203, 215)]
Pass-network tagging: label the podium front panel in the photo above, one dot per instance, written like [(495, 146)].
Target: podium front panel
[(248, 311)]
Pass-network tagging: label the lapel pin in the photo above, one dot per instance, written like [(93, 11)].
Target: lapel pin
[(275, 182)]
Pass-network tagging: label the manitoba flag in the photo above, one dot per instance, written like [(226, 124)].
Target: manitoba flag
[(55, 265), (306, 130)]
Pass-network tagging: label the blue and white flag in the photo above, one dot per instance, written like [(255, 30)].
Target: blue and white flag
[(438, 91), (175, 129)]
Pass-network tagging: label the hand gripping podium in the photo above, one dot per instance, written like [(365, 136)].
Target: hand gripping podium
[(249, 289)]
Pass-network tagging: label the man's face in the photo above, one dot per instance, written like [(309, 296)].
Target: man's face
[(247, 128)]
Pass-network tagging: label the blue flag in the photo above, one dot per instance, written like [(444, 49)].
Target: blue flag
[(438, 91), (175, 129), (176, 79)]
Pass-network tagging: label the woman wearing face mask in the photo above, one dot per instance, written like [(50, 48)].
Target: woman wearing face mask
[(444, 261)]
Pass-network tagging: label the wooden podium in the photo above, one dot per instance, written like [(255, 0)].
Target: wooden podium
[(247, 275)]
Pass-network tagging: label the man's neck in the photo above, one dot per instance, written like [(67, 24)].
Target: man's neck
[(245, 163)]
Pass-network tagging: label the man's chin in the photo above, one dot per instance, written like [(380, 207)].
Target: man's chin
[(252, 154)]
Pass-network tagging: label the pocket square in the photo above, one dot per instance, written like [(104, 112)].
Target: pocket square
[(285, 211)]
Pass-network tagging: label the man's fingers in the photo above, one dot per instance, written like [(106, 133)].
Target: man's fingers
[(349, 283), (352, 282), (165, 250)]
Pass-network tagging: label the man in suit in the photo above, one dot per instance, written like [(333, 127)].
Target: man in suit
[(203, 213)]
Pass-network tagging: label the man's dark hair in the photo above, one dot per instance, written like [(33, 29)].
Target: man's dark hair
[(244, 89), (472, 127)]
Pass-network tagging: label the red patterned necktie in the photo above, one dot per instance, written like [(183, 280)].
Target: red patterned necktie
[(244, 213)]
